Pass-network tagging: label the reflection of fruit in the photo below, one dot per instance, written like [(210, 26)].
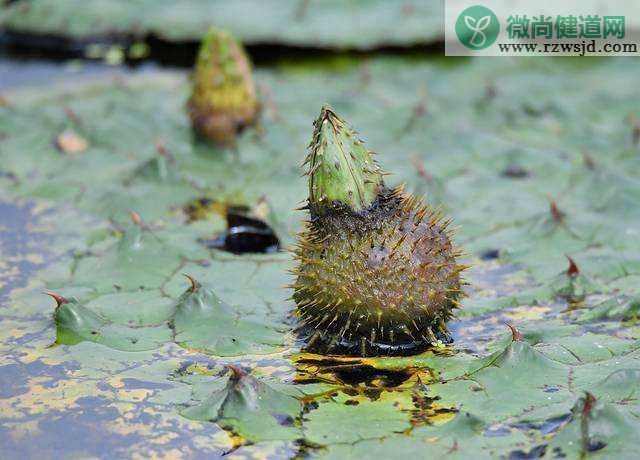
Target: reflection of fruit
[(223, 100), (377, 271)]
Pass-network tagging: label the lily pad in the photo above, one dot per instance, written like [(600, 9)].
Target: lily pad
[(248, 407), (204, 322), (361, 24), (75, 323), (198, 321)]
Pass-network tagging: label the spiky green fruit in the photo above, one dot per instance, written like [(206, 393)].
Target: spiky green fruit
[(223, 99), (377, 271)]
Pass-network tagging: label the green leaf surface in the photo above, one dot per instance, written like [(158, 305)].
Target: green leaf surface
[(361, 24), (247, 406), (460, 132), (203, 322), (75, 323), (198, 321), (600, 431)]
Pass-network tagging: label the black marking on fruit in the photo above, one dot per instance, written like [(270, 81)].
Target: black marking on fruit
[(357, 373)]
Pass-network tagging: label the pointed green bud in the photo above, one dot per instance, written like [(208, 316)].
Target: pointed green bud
[(223, 98), (341, 169)]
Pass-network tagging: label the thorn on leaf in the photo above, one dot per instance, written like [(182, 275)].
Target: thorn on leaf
[(516, 335), (71, 115), (589, 402), (421, 169), (194, 283), (237, 372), (163, 151), (135, 218), (57, 297), (490, 92), (573, 269), (556, 213)]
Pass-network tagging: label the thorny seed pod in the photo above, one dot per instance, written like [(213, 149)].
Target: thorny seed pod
[(223, 99), (377, 272)]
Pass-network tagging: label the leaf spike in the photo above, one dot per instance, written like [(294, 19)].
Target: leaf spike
[(516, 335), (237, 372), (195, 285), (135, 218), (589, 401), (556, 213), (573, 269), (57, 297)]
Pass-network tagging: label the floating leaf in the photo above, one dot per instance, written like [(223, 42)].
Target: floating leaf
[(205, 323), (596, 427), (139, 260), (76, 323), (65, 225), (614, 308), (360, 24), (250, 408)]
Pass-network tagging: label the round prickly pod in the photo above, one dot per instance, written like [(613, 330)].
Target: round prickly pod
[(223, 99), (377, 271)]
